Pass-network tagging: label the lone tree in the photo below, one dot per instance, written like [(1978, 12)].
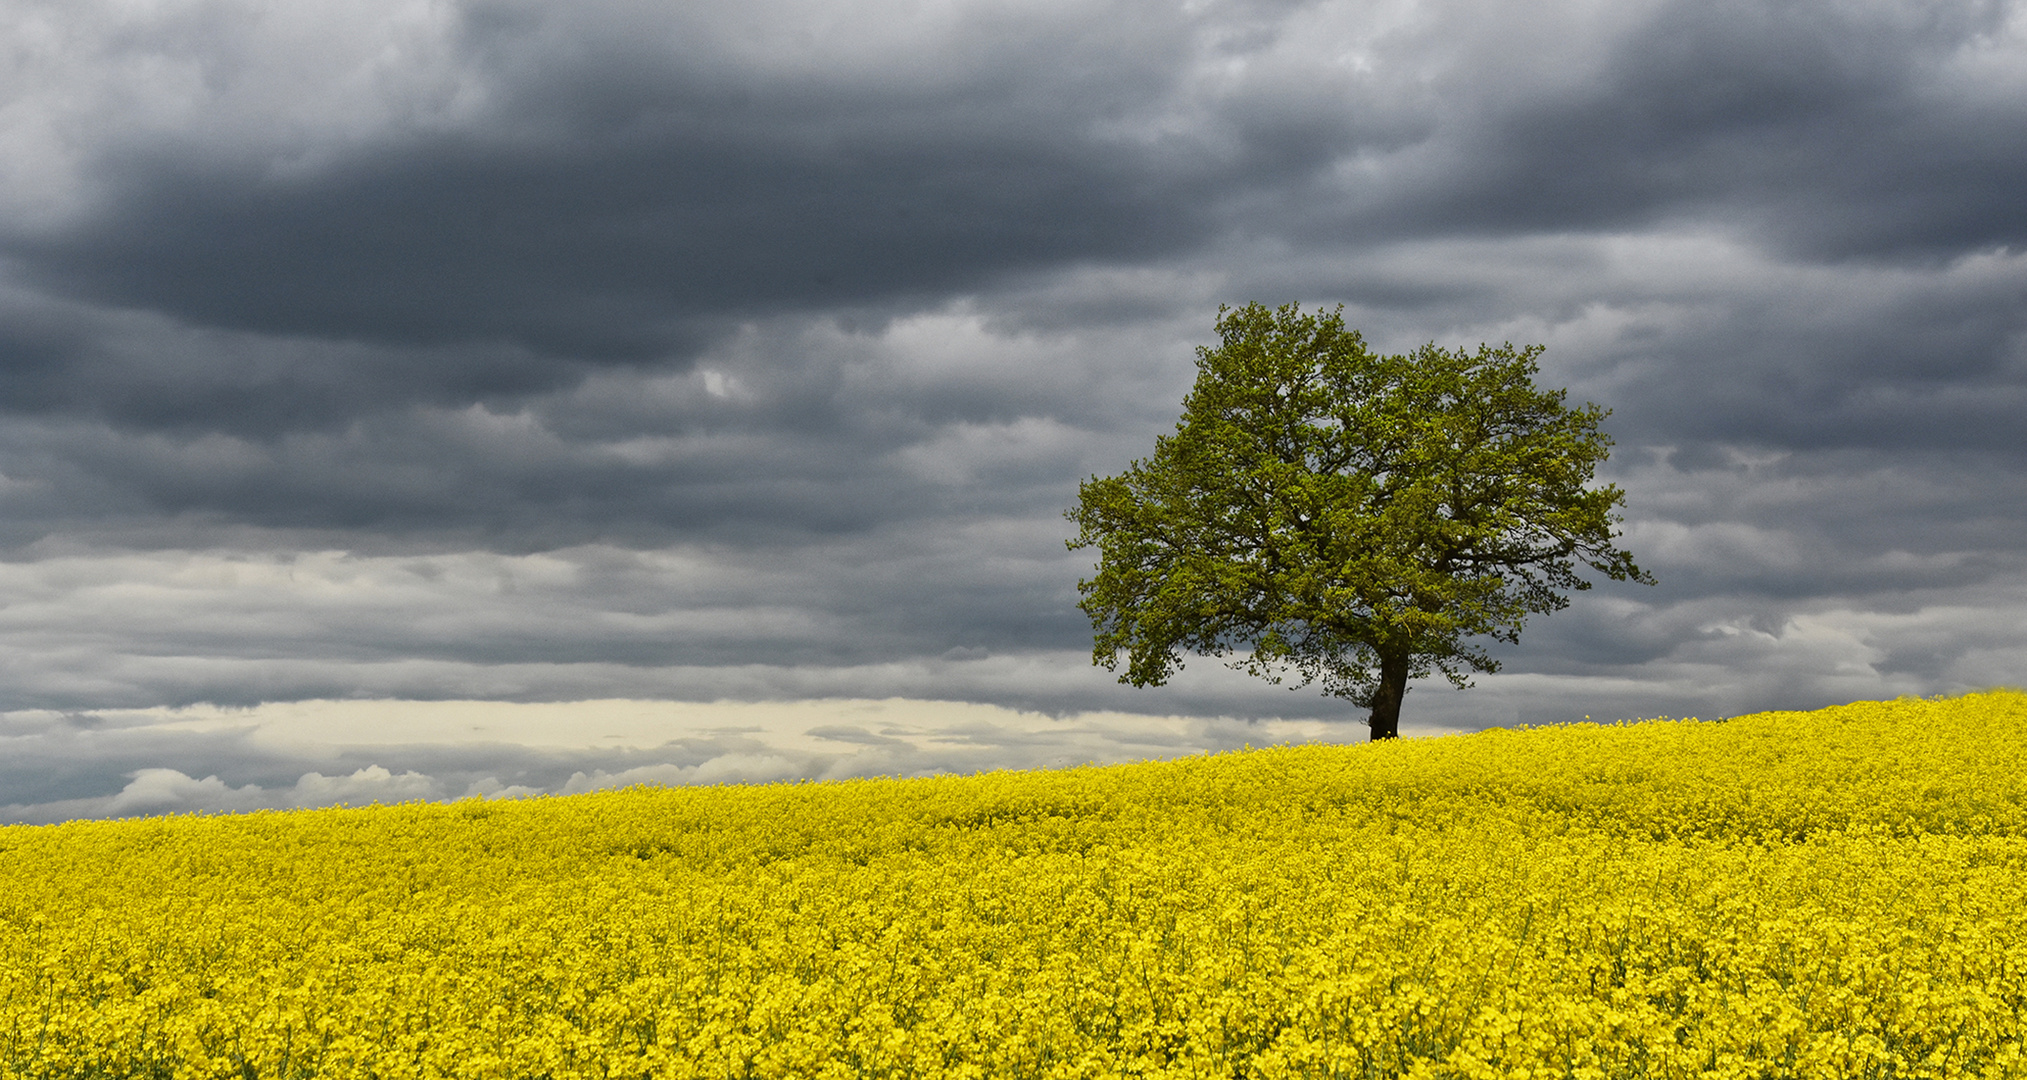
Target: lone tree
[(1346, 517)]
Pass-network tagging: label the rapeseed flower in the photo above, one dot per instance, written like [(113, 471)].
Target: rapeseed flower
[(1840, 893)]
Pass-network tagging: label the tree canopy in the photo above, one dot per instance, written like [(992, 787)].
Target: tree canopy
[(1346, 518)]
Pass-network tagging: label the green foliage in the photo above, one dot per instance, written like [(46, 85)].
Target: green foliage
[(1350, 518)]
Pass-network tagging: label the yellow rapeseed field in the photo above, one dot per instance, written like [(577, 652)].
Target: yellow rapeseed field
[(1840, 893)]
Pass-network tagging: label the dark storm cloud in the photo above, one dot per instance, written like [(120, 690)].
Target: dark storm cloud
[(801, 428), (1859, 357), (599, 251), (613, 194), (630, 183), (1828, 131), (145, 372)]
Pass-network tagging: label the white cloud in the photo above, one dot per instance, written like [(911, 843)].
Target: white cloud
[(368, 785), (166, 791), (152, 791)]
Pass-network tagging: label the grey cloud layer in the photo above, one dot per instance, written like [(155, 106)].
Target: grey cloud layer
[(616, 180), (534, 351)]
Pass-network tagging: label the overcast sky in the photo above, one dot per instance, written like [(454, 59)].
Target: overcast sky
[(661, 354)]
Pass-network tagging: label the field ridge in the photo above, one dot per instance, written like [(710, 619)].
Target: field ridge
[(1835, 893)]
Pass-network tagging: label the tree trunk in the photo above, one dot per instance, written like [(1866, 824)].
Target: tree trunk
[(1386, 701)]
